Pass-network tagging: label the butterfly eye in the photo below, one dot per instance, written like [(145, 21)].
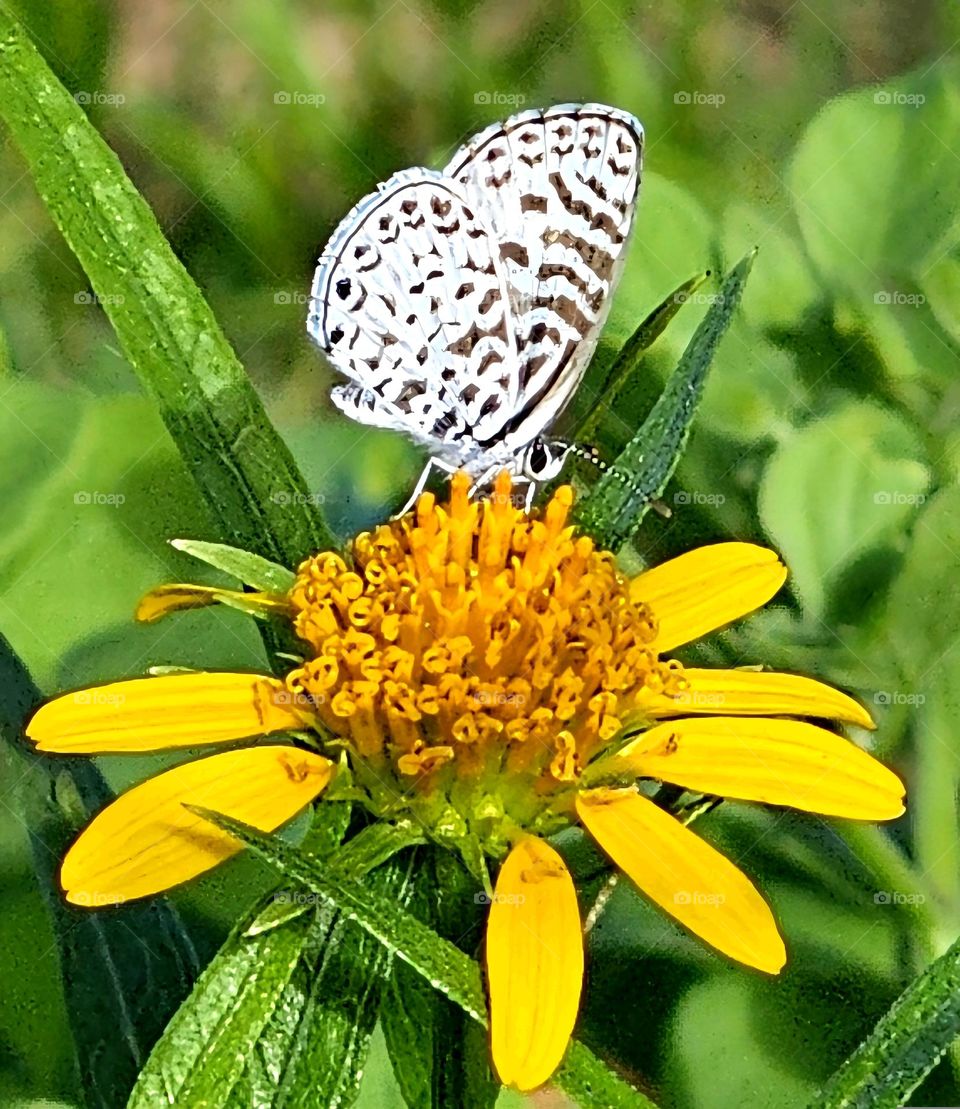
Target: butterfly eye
[(538, 457)]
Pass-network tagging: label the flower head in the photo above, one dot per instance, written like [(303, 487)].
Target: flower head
[(493, 675)]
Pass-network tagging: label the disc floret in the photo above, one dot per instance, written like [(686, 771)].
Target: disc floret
[(476, 659)]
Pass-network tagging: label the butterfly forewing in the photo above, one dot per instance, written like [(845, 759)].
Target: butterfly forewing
[(558, 189), (409, 302)]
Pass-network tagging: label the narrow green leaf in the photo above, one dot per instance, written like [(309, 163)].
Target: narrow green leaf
[(628, 357), (164, 325), (614, 508), (439, 1056), (312, 1050), (284, 1012), (249, 568), (904, 1046), (201, 1055), (443, 964), (124, 971)]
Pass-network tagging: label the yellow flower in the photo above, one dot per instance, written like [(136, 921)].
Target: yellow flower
[(495, 676)]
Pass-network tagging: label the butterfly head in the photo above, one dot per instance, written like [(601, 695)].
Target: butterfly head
[(543, 459)]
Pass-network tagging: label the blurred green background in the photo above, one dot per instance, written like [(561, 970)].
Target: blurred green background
[(828, 134)]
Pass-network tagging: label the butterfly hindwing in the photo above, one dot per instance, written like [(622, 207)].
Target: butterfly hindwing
[(410, 303)]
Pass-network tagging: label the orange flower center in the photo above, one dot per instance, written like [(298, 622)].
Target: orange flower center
[(473, 639)]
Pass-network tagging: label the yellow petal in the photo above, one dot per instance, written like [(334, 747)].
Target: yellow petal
[(165, 599), (707, 588), (154, 714), (684, 875), (756, 693), (780, 762), (534, 964), (146, 841)]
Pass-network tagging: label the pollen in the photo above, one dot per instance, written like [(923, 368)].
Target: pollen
[(472, 638)]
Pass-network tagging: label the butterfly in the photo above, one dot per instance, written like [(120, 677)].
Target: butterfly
[(463, 305)]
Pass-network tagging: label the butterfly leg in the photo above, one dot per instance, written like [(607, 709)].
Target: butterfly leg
[(432, 464)]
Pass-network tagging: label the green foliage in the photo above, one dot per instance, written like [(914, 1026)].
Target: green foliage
[(439, 961), (127, 971), (615, 508), (900, 1052)]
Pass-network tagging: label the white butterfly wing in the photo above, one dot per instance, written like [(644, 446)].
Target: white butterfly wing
[(558, 189), (410, 302)]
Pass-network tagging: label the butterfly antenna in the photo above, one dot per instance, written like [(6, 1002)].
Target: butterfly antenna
[(592, 455)]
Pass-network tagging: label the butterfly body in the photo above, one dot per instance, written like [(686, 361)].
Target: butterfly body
[(463, 305)]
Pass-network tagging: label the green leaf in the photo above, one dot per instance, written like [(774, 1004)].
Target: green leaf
[(874, 201), (284, 1012), (124, 971), (614, 509), (201, 1055), (839, 488), (924, 631), (249, 568), (439, 1056), (905, 1045), (165, 327), (598, 397), (445, 966)]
